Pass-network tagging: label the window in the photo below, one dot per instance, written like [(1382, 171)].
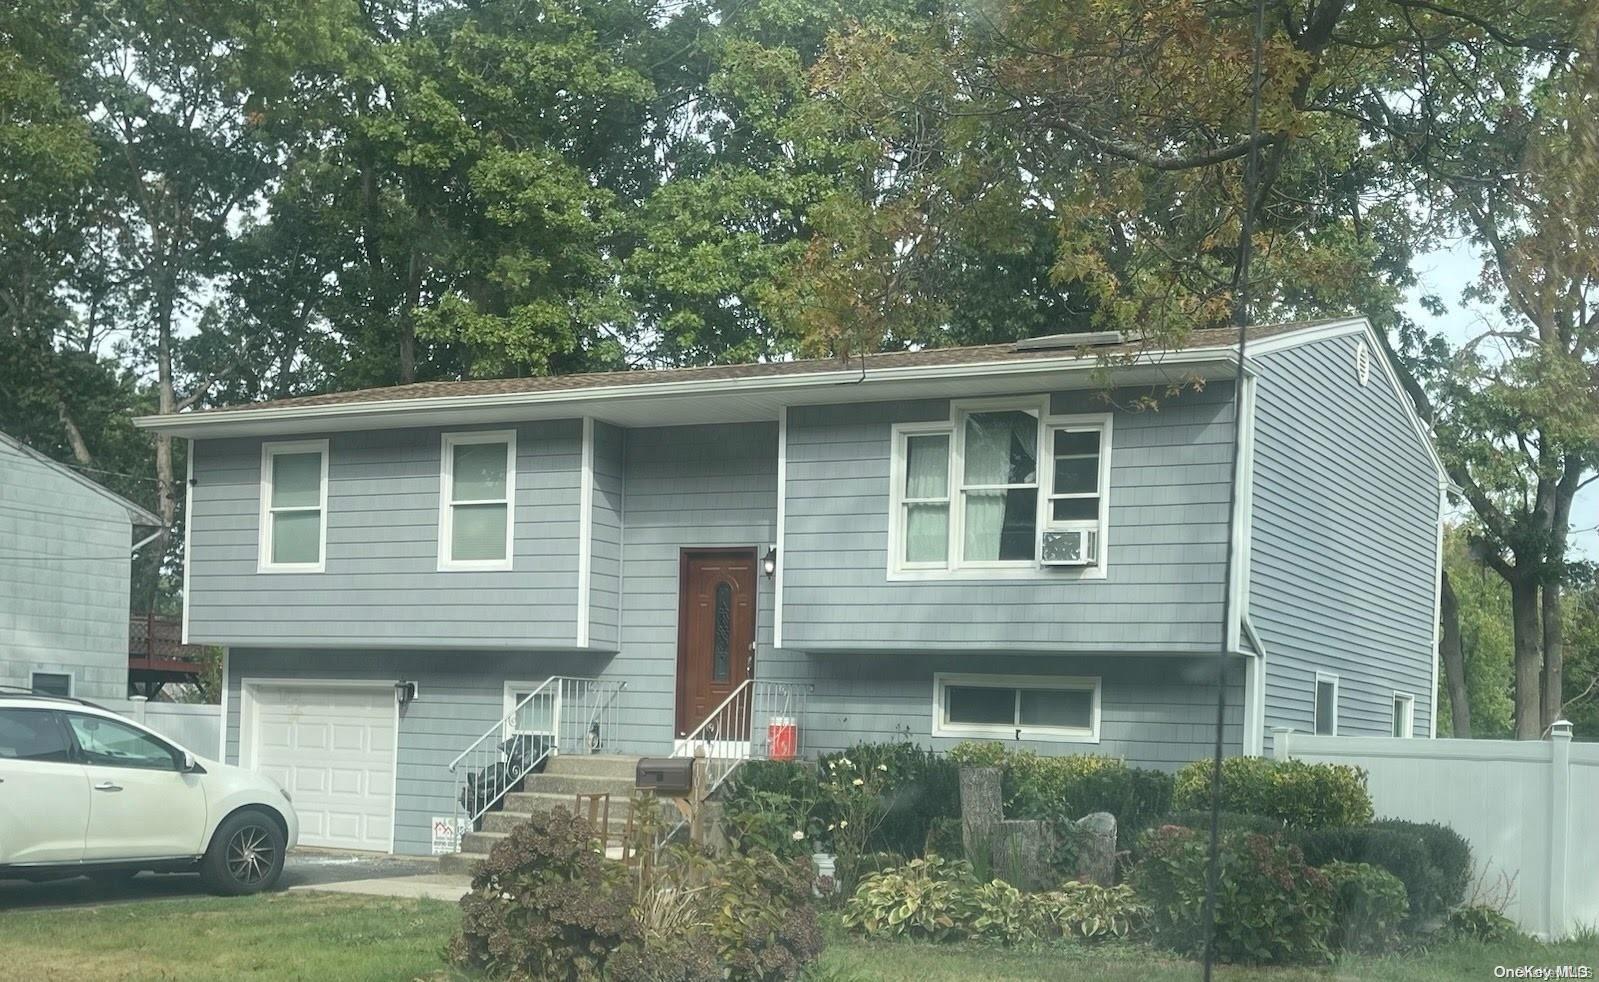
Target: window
[(51, 684), (1404, 715), (477, 487), (1002, 490), (1016, 707), (294, 501), (108, 743), (1326, 709), (33, 734)]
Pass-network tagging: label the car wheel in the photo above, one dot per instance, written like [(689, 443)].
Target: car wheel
[(246, 855)]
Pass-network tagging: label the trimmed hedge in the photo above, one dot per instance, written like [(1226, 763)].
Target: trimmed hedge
[(1370, 907), (1064, 789), (1296, 793), (1401, 853), (1271, 906), (1449, 852)]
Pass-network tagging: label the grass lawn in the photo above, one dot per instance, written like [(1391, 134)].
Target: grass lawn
[(341, 937), (322, 936)]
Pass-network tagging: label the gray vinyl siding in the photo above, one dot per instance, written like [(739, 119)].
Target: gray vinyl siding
[(687, 486), (64, 573), (382, 586), (1343, 540), (1154, 711), (605, 570), (1166, 542), (461, 696)]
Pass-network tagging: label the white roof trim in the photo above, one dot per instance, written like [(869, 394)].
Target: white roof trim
[(136, 514)]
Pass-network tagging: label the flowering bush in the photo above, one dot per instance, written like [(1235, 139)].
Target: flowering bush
[(1270, 906), (855, 803), (773, 805)]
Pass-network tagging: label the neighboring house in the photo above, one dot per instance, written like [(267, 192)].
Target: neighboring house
[(66, 548), (962, 543)]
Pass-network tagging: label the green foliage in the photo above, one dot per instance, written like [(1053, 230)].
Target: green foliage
[(937, 899), (545, 905), (1299, 794), (1402, 853), (768, 802), (1370, 909), (1480, 923), (1064, 789), (922, 788), (1447, 851), (1230, 822), (1270, 906)]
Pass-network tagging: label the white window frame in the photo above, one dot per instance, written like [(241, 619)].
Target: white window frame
[(942, 727), (1407, 729), (72, 680), (512, 687), (1315, 703), (447, 446), (955, 566), (264, 563)]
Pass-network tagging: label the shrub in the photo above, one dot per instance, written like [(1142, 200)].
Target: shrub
[(1480, 923), (1294, 792), (1230, 822), (941, 900), (1449, 853), (1370, 907), (1064, 789), (921, 899), (922, 788), (1401, 853), (1270, 906), (546, 905), (767, 801), (761, 917)]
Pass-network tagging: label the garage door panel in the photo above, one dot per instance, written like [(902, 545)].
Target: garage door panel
[(333, 748)]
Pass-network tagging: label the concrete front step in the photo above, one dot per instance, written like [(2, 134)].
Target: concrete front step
[(576, 784), (505, 821), (594, 765), (459, 863)]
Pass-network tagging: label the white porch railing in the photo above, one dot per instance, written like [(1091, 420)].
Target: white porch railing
[(563, 715), (759, 720)]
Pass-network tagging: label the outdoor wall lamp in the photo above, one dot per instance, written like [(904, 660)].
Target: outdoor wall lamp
[(769, 562)]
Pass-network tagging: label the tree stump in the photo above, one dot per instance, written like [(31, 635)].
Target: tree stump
[(1018, 852)]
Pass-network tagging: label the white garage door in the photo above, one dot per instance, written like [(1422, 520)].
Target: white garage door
[(333, 748)]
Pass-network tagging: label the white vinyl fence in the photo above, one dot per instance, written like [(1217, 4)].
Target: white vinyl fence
[(197, 727), (1530, 810)]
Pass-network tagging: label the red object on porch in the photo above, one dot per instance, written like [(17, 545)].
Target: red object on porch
[(782, 737)]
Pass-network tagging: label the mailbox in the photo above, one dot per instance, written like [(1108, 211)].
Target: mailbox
[(671, 775)]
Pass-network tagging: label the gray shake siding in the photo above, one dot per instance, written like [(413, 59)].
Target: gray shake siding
[(64, 569), (605, 571), (382, 585), (1343, 540), (1166, 542)]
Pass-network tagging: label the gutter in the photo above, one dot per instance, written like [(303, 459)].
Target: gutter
[(184, 423)]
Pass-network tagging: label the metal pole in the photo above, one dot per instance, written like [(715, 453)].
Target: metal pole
[(1241, 317)]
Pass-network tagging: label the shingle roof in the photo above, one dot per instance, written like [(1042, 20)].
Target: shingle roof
[(997, 354)]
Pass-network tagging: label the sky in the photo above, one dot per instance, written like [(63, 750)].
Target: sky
[(1445, 273)]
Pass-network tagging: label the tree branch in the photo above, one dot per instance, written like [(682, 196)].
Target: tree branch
[(1164, 162)]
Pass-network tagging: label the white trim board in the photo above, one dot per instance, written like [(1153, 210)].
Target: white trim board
[(585, 532), (248, 724), (188, 536), (222, 738), (782, 517)]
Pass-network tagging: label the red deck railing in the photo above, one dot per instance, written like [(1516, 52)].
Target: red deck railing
[(155, 643)]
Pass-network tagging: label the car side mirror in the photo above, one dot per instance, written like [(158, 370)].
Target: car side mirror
[(190, 765)]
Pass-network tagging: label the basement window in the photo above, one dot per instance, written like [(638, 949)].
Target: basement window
[(1016, 707)]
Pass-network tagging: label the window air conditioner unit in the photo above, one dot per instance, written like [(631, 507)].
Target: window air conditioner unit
[(1070, 547)]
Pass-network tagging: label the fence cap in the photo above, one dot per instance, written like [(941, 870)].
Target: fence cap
[(1560, 728)]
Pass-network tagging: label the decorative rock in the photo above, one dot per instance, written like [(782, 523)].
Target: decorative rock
[(1095, 838)]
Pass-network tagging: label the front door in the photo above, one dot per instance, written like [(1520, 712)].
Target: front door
[(715, 634)]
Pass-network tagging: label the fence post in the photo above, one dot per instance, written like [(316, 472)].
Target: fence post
[(1559, 823), (1279, 742), (138, 707)]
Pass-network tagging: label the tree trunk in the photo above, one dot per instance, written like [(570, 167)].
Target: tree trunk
[(1453, 655), (1525, 623), (80, 449), (413, 297)]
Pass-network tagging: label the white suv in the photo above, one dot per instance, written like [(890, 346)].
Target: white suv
[(84, 791)]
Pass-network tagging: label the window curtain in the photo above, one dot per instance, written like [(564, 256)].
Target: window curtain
[(1001, 448), (926, 476)]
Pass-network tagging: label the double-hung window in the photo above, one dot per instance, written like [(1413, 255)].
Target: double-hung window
[(1002, 489), (294, 504), (476, 491), (1325, 710)]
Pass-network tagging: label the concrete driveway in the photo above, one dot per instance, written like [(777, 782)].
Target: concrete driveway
[(303, 868)]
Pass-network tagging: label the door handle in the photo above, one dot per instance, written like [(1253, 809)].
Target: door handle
[(107, 786)]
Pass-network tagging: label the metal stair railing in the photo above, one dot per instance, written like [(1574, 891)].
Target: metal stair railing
[(563, 714)]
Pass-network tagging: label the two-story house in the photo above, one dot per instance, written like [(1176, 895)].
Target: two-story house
[(1001, 542)]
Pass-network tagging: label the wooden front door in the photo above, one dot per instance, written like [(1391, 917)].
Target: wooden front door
[(715, 631)]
